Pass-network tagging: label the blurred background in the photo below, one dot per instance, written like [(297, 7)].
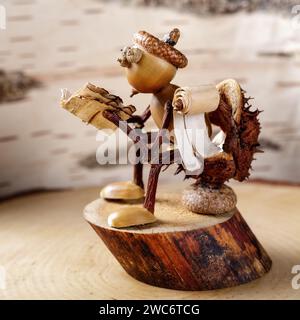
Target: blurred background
[(49, 45)]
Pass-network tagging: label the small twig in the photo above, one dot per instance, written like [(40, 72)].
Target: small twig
[(149, 202), (138, 173), (116, 120), (165, 124), (150, 197), (134, 135), (138, 167), (140, 120), (134, 92)]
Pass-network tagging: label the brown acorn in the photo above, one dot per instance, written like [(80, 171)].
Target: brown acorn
[(151, 63)]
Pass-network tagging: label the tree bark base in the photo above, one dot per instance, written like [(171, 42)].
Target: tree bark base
[(183, 251)]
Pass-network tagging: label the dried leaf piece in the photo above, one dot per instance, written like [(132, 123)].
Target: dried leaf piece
[(89, 103)]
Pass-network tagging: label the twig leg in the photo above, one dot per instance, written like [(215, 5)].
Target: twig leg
[(137, 168), (149, 202), (138, 174)]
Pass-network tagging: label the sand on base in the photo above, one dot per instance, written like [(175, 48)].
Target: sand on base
[(170, 213)]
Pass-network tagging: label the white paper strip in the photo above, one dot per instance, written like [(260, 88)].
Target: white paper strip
[(198, 136), (190, 161)]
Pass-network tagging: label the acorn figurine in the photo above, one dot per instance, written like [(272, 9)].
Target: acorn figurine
[(173, 245), (150, 65)]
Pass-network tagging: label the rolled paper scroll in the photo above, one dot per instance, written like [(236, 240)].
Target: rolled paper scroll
[(195, 100), (190, 128)]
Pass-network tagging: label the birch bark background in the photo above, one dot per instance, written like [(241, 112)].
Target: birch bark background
[(66, 43)]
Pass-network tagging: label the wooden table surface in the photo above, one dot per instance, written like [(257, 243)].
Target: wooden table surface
[(50, 252)]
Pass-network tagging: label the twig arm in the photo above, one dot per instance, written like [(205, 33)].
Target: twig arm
[(116, 120), (140, 120)]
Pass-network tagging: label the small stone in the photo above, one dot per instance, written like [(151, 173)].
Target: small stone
[(205, 200)]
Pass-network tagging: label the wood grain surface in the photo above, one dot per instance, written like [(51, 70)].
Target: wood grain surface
[(50, 252)]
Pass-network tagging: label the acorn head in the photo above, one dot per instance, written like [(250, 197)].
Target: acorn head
[(151, 63)]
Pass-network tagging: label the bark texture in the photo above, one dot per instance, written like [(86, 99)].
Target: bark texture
[(223, 255)]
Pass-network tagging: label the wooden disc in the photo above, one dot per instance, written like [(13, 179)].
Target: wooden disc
[(50, 252), (182, 250)]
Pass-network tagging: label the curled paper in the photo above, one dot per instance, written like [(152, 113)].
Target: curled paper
[(195, 100), (198, 135), (191, 162), (190, 129)]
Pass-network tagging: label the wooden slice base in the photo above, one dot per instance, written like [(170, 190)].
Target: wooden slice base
[(183, 250)]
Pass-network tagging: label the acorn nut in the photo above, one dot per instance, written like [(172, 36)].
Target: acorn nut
[(124, 190), (129, 216)]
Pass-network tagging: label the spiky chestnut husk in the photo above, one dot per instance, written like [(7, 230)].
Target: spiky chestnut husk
[(240, 145), (249, 130)]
